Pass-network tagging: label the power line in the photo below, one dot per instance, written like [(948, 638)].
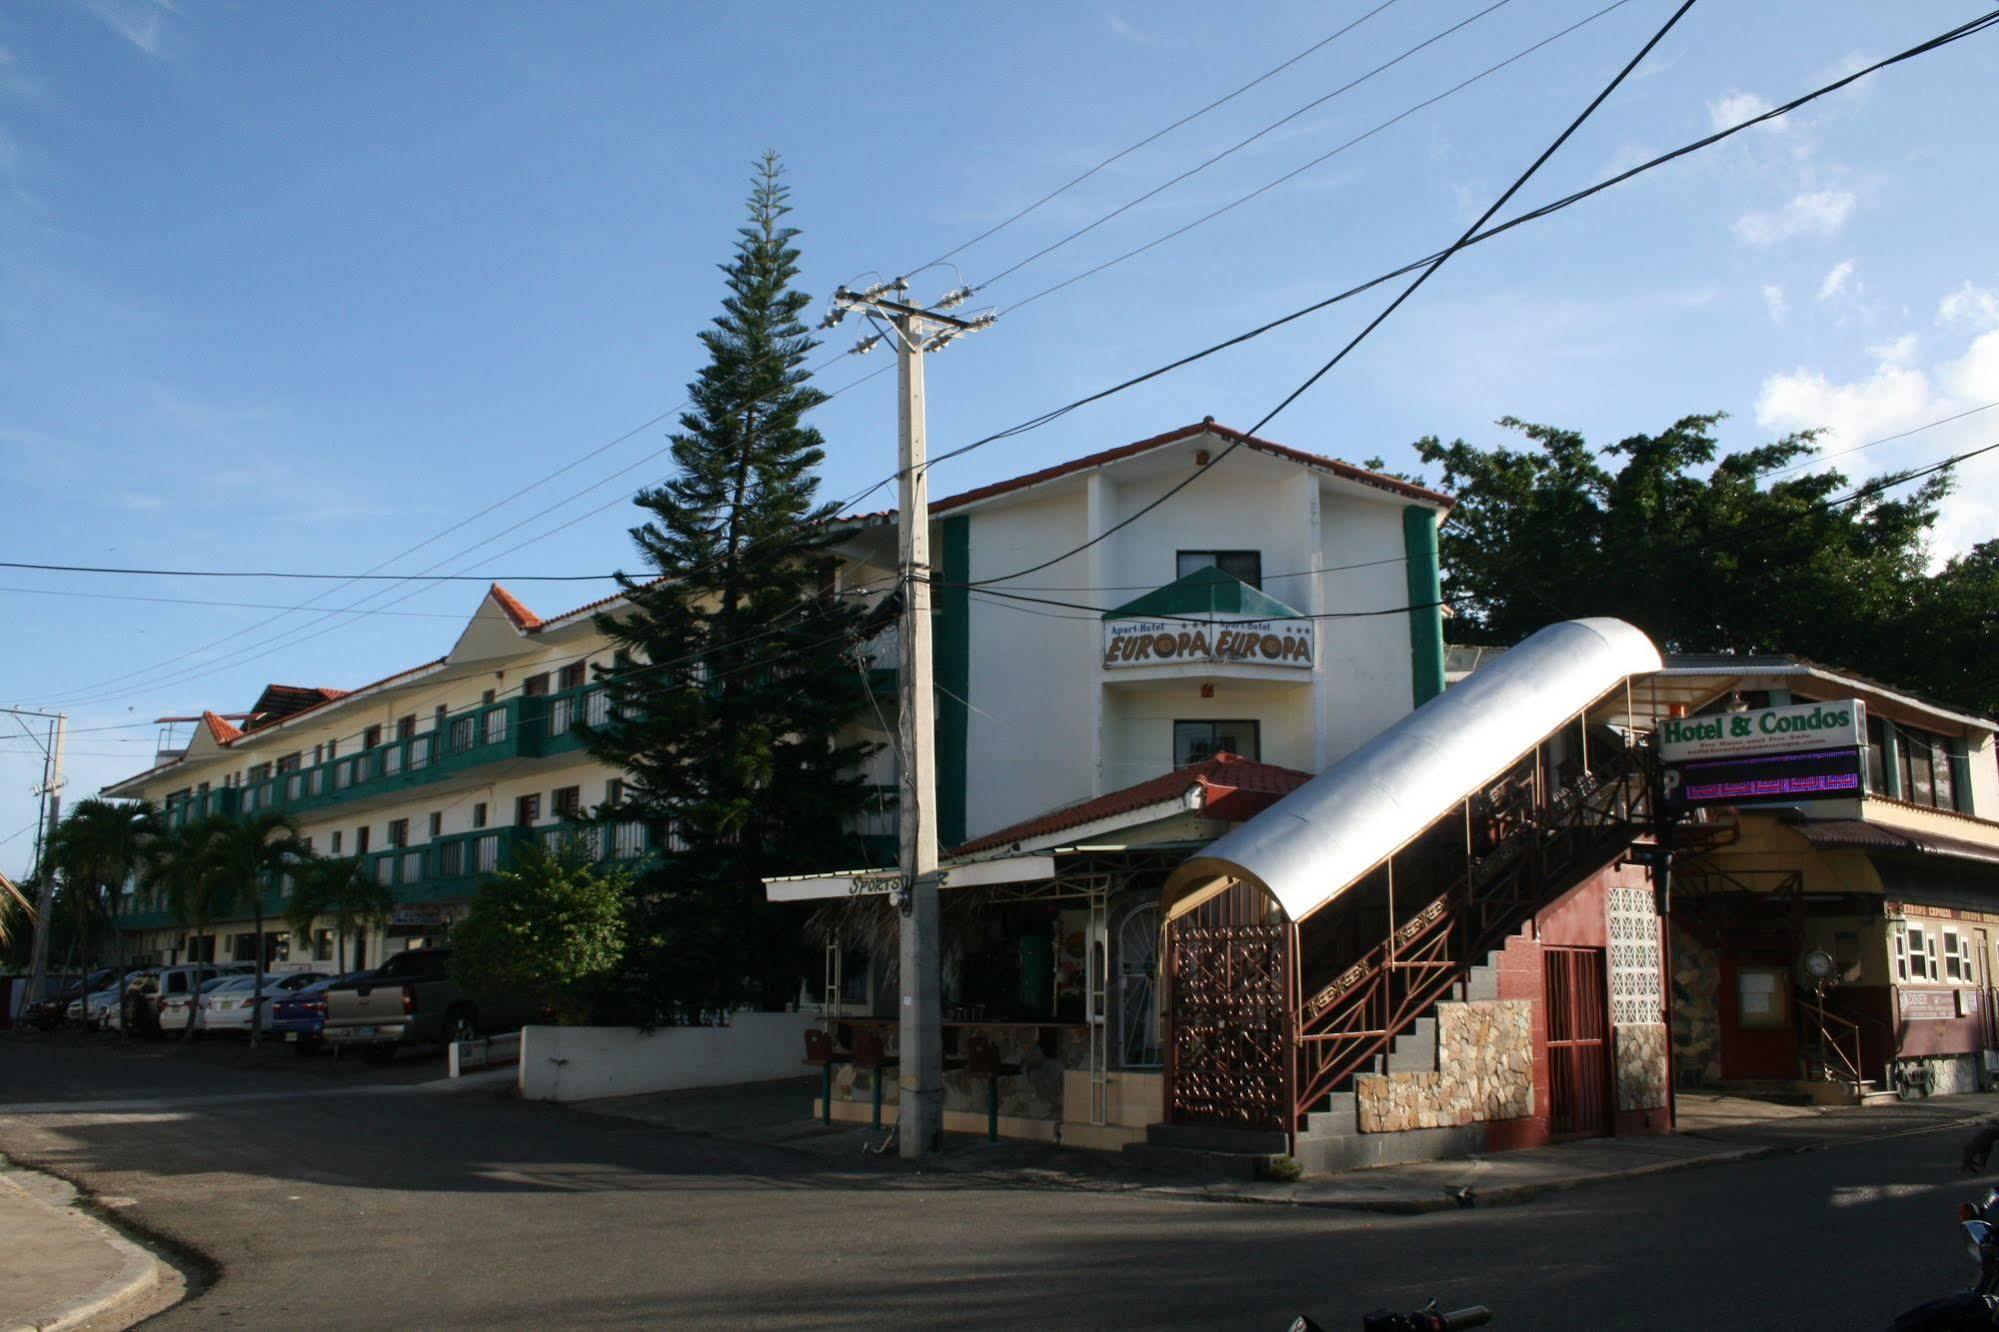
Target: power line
[(299, 574), (1428, 271), (1945, 38), (1322, 158), (1154, 137), (1819, 460), (234, 605), (1237, 147)]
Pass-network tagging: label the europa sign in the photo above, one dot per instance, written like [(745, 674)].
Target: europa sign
[(1141, 642), (1789, 730)]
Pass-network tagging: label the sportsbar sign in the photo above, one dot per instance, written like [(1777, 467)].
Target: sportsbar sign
[(1282, 643), (1800, 728)]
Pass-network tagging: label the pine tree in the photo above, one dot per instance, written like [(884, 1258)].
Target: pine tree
[(733, 712)]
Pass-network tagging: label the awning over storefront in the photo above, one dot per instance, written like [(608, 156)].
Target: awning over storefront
[(1858, 835), (1315, 843)]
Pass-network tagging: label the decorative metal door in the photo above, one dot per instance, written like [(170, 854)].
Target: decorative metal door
[(1230, 1036), (1138, 987), (1579, 1081)]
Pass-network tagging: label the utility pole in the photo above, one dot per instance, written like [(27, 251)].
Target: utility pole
[(920, 1052), (45, 832)]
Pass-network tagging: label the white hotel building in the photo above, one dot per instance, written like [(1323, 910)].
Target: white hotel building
[(1056, 688)]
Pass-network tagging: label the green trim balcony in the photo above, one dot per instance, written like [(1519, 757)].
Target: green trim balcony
[(194, 808)]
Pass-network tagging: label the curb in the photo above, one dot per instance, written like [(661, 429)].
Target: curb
[(138, 1271)]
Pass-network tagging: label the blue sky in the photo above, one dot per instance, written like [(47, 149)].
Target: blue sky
[(299, 287)]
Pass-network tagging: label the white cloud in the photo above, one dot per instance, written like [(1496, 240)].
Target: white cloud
[(1773, 300), (1836, 279), (1817, 212), (143, 23), (1971, 305), (1902, 351), (1896, 396), (1736, 107)]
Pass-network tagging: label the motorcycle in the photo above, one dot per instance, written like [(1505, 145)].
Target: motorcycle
[(1977, 1307), (1427, 1319)]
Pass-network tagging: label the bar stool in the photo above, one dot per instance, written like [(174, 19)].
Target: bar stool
[(869, 1054), (821, 1052), (982, 1061)]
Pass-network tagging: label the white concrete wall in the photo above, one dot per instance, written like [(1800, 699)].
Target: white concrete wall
[(582, 1063), (1979, 756), (1138, 721), (1030, 732), (1363, 663)]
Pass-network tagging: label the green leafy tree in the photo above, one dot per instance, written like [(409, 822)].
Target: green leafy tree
[(1951, 634), (99, 845), (342, 888), (550, 929), (1704, 550), (729, 721)]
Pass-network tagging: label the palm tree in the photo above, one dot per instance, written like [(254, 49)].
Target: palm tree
[(99, 845), (244, 856), (343, 889), (15, 909)]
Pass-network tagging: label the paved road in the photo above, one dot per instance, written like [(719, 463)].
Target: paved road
[(348, 1196)]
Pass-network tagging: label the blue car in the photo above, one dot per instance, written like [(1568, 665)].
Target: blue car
[(299, 1018)]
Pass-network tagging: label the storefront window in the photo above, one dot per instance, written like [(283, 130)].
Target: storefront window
[(1762, 996), (1922, 955)]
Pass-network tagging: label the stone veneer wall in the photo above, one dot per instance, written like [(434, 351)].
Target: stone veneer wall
[(1696, 1012), (1640, 1052), (1485, 1071)]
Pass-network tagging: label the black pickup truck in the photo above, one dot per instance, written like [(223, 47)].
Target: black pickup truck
[(411, 999)]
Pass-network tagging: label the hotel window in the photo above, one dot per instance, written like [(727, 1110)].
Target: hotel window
[(437, 823), (335, 846), (399, 832), (1198, 741), (566, 802), (535, 685), (406, 727), (1922, 955), (1933, 769), (361, 840), (1763, 997), (371, 737), (487, 697), (289, 763), (527, 810), (479, 815), (322, 945), (1956, 965), (1244, 564), (571, 676)]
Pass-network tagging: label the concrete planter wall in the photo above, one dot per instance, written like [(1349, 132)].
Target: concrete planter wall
[(581, 1063)]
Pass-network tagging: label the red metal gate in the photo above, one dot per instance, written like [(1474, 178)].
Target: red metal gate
[(1229, 1050), (1579, 1080)]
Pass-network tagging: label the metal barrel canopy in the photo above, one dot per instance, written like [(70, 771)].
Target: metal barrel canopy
[(1315, 843)]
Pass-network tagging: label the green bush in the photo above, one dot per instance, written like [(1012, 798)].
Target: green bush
[(551, 930)]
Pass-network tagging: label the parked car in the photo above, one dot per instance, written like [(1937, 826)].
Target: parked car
[(300, 1016), (179, 1011), (228, 1007), (413, 1000), (48, 1012), (146, 1011), (94, 1009)]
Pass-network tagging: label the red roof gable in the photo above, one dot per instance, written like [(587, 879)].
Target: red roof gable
[(1395, 485), (221, 731), (524, 619), (1233, 788)]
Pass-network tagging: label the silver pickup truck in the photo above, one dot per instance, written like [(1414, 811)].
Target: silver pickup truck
[(409, 1000)]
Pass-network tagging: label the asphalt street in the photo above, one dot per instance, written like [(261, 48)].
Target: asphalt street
[(338, 1195)]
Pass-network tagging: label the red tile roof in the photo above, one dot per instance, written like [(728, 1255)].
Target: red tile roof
[(1394, 485), (1233, 788), (524, 619), (220, 730)]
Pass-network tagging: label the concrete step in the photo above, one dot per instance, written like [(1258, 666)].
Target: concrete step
[(1415, 1050), (1354, 1151), (1482, 983), (1341, 1115)]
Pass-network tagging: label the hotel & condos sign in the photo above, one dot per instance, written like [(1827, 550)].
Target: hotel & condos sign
[(1142, 642), (1808, 751)]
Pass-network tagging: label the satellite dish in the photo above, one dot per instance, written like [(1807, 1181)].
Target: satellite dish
[(1819, 964)]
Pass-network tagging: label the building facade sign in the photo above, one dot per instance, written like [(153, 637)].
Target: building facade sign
[(1788, 730), (1286, 644), (1928, 1005)]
